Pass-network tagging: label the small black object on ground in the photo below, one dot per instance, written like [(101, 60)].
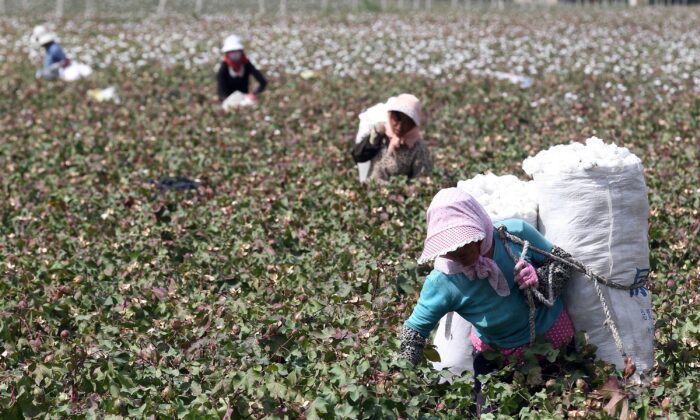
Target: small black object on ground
[(176, 183)]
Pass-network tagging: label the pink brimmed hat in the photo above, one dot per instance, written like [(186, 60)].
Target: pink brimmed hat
[(455, 219), (406, 104)]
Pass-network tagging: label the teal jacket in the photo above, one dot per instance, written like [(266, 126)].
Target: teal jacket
[(500, 321)]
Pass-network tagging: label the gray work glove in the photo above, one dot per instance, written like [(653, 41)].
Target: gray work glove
[(412, 345), (560, 275)]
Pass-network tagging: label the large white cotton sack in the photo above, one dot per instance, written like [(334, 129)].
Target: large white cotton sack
[(454, 345), (371, 116), (593, 203), (75, 71), (503, 197)]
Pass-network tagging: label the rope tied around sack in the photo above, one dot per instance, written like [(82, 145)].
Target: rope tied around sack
[(532, 294)]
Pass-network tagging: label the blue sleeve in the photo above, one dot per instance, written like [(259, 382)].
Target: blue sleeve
[(47, 60), (58, 53), (53, 55), (527, 232), (435, 301)]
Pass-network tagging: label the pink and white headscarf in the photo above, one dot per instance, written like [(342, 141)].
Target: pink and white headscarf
[(410, 106), (455, 219)]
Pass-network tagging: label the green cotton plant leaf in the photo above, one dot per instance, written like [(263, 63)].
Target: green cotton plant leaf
[(431, 353), (346, 411), (552, 355), (534, 376), (317, 409), (40, 372), (114, 390), (363, 367), (355, 392)]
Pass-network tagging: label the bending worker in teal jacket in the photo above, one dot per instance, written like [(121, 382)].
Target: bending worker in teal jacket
[(476, 277)]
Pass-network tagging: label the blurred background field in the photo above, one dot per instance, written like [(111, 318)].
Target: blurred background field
[(134, 8), (278, 287)]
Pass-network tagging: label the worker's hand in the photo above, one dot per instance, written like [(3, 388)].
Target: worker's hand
[(394, 144), (376, 134), (253, 98), (526, 274)]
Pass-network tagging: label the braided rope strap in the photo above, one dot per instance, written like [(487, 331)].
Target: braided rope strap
[(571, 262), (531, 293), (528, 291)]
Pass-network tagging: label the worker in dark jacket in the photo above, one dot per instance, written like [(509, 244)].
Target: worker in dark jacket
[(235, 71)]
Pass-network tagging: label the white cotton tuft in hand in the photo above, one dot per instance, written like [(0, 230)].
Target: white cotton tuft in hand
[(368, 118), (566, 158), (503, 197)]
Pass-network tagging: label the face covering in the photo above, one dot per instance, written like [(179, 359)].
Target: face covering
[(235, 56), (235, 60)]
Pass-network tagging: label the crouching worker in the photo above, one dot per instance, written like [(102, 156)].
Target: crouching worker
[(475, 276), (54, 58), (235, 71), (396, 147)]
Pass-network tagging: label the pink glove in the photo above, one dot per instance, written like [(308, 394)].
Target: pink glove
[(527, 275)]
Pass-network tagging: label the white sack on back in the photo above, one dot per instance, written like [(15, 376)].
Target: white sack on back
[(593, 203), (368, 118), (503, 197), (454, 345), (75, 71)]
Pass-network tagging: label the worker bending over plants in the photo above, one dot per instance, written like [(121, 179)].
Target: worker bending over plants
[(476, 276), (54, 57), (235, 71), (396, 147)]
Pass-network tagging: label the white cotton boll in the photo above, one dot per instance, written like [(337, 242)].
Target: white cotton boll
[(503, 197), (576, 156)]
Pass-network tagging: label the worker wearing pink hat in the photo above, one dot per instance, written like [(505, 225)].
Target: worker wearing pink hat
[(396, 147), (475, 276)]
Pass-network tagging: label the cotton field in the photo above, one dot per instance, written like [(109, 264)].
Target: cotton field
[(658, 48), (161, 256)]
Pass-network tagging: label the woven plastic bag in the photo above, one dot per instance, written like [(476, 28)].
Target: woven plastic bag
[(597, 209), (453, 344)]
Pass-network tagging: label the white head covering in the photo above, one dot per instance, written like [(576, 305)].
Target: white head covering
[(232, 43), (42, 36)]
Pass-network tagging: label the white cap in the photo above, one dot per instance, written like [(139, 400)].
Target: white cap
[(41, 35), (232, 43)]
